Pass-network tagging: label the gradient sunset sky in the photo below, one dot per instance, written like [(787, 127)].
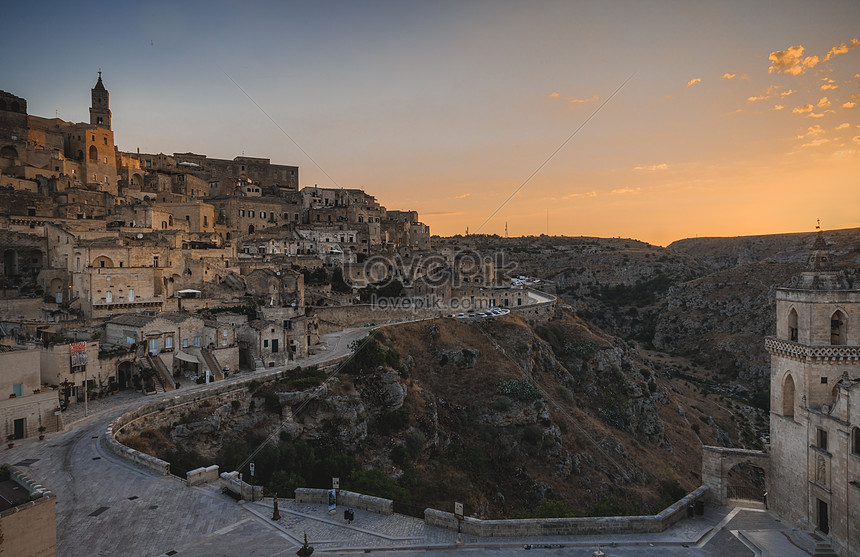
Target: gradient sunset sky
[(740, 117)]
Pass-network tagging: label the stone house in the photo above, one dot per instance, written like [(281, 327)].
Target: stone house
[(24, 405)]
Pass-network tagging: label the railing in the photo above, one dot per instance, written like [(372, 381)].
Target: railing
[(161, 371), (745, 493), (212, 363)]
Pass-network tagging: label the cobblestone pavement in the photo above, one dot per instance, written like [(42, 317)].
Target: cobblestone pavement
[(106, 506)]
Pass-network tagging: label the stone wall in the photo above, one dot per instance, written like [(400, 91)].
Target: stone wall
[(346, 499), (336, 318), (203, 475), (242, 489), (38, 515), (567, 526)]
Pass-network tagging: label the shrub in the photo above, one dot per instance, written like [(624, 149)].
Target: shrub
[(400, 456), (415, 440)]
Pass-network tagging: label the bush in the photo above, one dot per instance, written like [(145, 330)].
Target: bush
[(415, 442), (400, 456), (390, 422), (521, 390), (502, 403)]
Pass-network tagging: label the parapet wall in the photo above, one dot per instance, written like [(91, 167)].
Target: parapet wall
[(200, 476), (567, 526), (241, 489), (347, 499)]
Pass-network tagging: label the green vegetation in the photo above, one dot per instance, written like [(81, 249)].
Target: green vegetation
[(640, 294), (383, 289), (368, 355), (520, 390)]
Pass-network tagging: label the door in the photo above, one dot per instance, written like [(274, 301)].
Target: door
[(274, 345), (823, 519), (19, 428)]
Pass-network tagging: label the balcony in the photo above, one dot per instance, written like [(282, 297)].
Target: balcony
[(822, 353)]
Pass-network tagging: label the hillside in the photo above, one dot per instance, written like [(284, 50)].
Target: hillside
[(562, 420)]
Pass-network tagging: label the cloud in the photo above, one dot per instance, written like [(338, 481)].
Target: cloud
[(694, 81), (791, 61), (828, 84), (823, 102), (759, 98), (843, 125), (625, 190), (554, 94), (729, 75), (841, 49), (786, 93), (856, 138), (464, 196), (814, 115), (816, 142), (801, 109), (586, 194), (814, 130), (652, 167), (580, 101), (849, 105), (778, 107)]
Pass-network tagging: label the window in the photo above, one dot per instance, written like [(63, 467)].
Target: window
[(837, 328), (196, 341), (262, 214), (131, 294), (266, 343), (251, 214), (855, 441), (109, 297), (18, 389), (274, 345), (153, 346), (205, 220), (824, 380), (241, 212), (168, 342), (821, 439), (224, 342), (224, 333), (185, 343), (155, 261)]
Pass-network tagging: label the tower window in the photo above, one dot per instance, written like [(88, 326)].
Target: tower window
[(821, 439), (837, 328)]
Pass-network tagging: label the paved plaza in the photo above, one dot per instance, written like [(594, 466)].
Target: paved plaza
[(106, 506)]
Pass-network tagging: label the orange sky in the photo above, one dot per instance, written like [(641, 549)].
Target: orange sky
[(740, 118)]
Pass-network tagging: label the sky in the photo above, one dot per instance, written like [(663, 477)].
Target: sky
[(642, 119)]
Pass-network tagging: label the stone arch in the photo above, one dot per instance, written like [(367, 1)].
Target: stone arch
[(125, 374), (94, 153), (788, 396), (838, 324), (9, 152), (718, 463), (10, 262), (103, 261), (56, 290), (136, 180), (792, 325)]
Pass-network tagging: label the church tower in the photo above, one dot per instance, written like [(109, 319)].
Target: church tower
[(100, 109), (815, 402)]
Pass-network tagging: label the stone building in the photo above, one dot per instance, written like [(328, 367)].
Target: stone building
[(815, 404), (25, 406)]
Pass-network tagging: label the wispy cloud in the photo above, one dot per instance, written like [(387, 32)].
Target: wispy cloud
[(812, 131), (843, 125), (802, 109), (816, 142), (694, 81), (442, 213), (823, 102), (841, 49), (652, 167), (791, 61), (574, 100), (729, 75), (786, 93), (625, 190), (849, 104), (586, 194), (778, 107), (829, 84), (815, 115), (554, 94), (464, 196), (758, 98)]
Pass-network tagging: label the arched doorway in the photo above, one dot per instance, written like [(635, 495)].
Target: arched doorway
[(10, 262), (125, 375), (9, 152), (250, 229), (56, 290)]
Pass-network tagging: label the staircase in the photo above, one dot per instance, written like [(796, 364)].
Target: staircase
[(815, 544), (212, 364), (162, 374)]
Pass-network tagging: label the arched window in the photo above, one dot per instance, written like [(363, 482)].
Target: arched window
[(788, 396), (94, 153), (164, 225), (170, 220), (837, 327), (792, 325)]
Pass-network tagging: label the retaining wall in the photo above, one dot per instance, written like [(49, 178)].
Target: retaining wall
[(200, 476), (567, 526), (240, 488), (347, 499)]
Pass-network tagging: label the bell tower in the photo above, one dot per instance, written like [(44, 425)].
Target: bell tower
[(100, 109)]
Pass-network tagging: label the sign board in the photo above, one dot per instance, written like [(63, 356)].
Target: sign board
[(335, 483), (252, 469), (78, 353), (332, 500), (458, 510)]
